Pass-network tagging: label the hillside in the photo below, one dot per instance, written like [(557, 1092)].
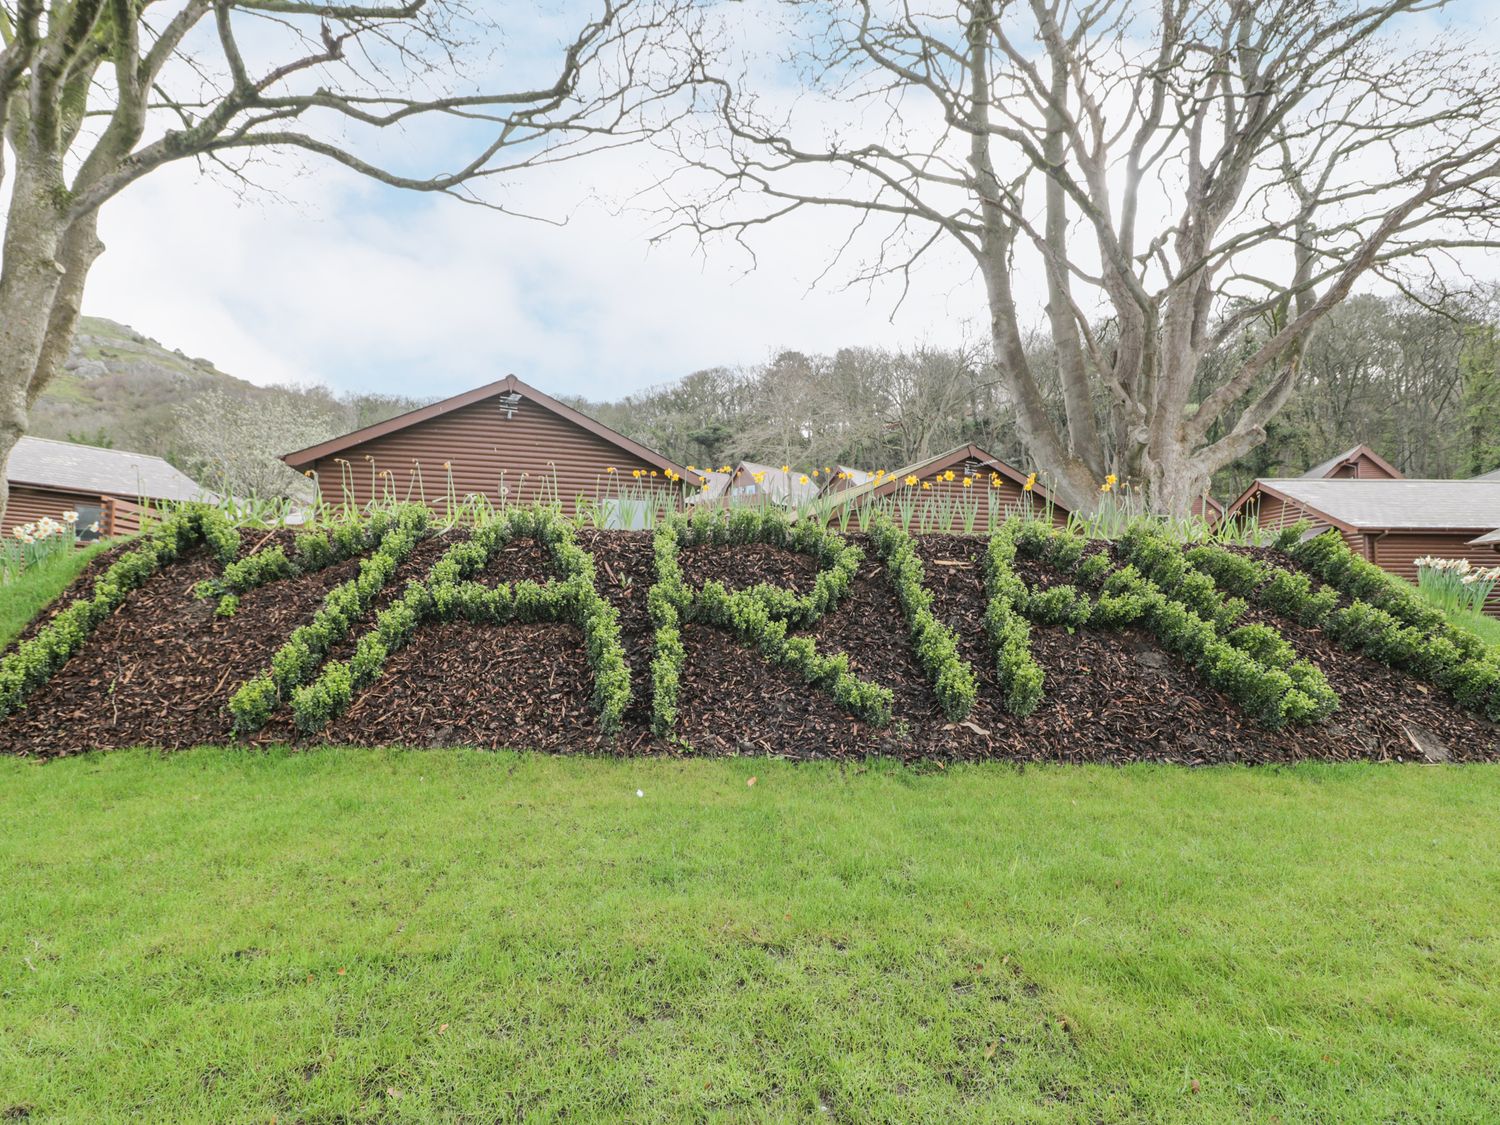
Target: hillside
[(120, 388)]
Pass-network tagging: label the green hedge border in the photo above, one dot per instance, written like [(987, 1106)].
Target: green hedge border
[(1400, 631), (1254, 667), (448, 594), (35, 661), (952, 677), (253, 703), (761, 615)]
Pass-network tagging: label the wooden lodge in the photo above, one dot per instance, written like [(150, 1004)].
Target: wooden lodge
[(505, 441)]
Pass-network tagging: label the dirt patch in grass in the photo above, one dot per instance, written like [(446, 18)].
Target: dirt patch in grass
[(161, 670)]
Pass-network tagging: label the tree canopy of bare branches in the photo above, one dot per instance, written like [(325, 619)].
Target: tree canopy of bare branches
[(1163, 186), (96, 94)]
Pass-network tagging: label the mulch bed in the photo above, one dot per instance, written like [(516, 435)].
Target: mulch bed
[(160, 672)]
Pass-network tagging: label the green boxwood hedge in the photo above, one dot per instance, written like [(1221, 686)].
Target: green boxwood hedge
[(448, 594), (762, 615), (35, 661), (936, 645)]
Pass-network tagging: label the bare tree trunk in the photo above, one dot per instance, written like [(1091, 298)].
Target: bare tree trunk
[(30, 280)]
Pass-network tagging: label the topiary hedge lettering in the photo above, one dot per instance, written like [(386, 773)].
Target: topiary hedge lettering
[(34, 661), (936, 645), (295, 662), (1395, 628), (449, 594), (1020, 676), (1190, 619), (761, 615)]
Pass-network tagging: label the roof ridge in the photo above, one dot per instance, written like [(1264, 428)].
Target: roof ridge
[(95, 448)]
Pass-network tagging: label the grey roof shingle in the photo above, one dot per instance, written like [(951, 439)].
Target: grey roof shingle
[(87, 468), (1413, 504)]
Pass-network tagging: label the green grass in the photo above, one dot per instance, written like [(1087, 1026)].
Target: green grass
[(38, 586), (1487, 628), (367, 935)]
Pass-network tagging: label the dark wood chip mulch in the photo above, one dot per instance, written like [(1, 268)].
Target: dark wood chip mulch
[(161, 670)]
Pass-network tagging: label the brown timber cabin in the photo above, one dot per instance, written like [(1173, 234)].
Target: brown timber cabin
[(506, 441), (1359, 463), (1391, 523), (106, 487), (939, 479)]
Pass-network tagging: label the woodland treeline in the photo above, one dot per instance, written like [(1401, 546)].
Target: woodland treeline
[(1417, 379)]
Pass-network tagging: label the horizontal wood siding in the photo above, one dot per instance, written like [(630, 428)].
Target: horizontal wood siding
[(27, 504), (1363, 468), (536, 454), (1397, 552), (1274, 514), (124, 515)]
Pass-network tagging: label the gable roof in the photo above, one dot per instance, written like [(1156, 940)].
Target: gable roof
[(88, 468), (887, 483), (1488, 539), (1388, 505), (779, 485), (1327, 468), (1493, 474), (304, 458), (855, 477), (718, 484)]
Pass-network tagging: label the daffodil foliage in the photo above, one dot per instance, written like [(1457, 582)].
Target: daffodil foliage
[(762, 615)]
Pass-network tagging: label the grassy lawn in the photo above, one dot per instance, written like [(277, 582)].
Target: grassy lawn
[(37, 586), (227, 935)]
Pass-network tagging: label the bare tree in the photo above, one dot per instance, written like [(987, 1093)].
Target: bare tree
[(96, 94), (235, 441), (1161, 182)]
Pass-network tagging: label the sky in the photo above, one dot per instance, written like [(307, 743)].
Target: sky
[(326, 277)]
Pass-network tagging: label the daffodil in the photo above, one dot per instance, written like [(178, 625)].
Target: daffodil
[(968, 482), (803, 478), (1030, 482), (911, 480), (948, 475), (926, 484), (610, 469), (786, 468), (636, 473)]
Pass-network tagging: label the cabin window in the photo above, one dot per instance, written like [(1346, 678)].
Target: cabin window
[(90, 516)]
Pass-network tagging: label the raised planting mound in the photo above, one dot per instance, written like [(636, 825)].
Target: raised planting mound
[(746, 633)]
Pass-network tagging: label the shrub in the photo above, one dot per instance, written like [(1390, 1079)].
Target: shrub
[(1020, 676), (36, 660), (936, 645), (1385, 619), (1184, 610), (448, 593), (760, 616), (296, 660)]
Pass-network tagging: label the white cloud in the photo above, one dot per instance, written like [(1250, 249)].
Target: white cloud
[(430, 296)]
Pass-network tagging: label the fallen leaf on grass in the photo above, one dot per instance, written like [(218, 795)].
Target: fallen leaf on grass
[(749, 783), (392, 1092), (341, 972), (442, 1027), (989, 1052), (1193, 1085)]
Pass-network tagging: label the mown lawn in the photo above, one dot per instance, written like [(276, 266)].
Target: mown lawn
[(234, 935), (37, 586)]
